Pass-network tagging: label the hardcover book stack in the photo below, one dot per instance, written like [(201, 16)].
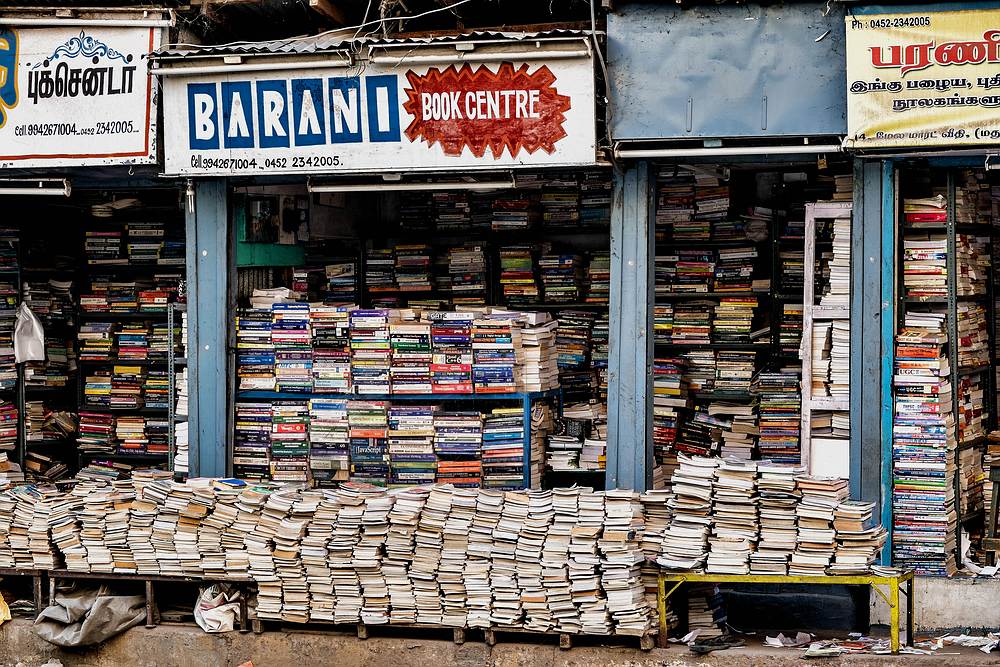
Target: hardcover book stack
[(924, 442)]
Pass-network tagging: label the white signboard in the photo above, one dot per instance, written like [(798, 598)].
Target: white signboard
[(76, 96), (402, 118)]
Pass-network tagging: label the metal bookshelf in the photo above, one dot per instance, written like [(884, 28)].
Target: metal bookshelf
[(812, 312)]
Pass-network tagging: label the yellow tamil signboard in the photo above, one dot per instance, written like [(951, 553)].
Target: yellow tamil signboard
[(923, 79)]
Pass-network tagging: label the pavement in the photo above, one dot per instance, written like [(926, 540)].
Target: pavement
[(183, 645)]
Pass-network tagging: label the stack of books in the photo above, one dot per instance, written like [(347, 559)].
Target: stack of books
[(924, 443), (503, 449), (517, 275), (780, 415), (331, 353), (512, 211), (8, 426), (561, 278), (670, 401), (458, 441), (790, 333), (467, 279), (778, 497), (734, 270), (733, 321), (837, 289), (735, 526), (792, 264), (8, 318), (254, 350), (540, 368), (292, 342), (411, 445), (290, 441), (103, 247), (452, 211), (329, 441), (816, 543), (371, 351), (452, 354), (573, 342), (411, 359), (560, 201), (860, 538), (925, 265), (96, 432), (380, 279), (674, 202), (341, 283), (599, 278), (495, 343), (685, 542), (413, 268), (595, 198), (251, 441), (369, 425)]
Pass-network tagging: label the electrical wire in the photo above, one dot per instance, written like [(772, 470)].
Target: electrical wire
[(292, 40)]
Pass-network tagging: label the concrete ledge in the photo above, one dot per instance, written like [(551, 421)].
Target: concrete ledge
[(187, 646), (949, 604)]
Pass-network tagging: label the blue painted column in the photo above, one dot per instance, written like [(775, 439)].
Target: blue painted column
[(630, 383), (207, 268), (873, 330)]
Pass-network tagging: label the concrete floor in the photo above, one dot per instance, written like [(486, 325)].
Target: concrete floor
[(186, 646)]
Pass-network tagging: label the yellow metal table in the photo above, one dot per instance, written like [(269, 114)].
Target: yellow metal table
[(891, 595)]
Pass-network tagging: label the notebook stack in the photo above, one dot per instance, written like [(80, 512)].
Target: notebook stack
[(410, 441), (924, 442), (517, 276), (780, 415), (369, 424), (411, 358), (331, 341), (452, 355), (255, 354), (329, 441), (370, 351)]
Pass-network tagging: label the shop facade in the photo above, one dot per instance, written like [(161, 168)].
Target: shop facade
[(79, 146), (478, 150)]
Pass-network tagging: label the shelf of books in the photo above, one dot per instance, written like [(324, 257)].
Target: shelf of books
[(944, 390), (826, 340), (729, 271), (445, 352)]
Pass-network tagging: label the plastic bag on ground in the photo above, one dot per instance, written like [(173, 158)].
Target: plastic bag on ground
[(29, 336), (217, 608), (83, 617)]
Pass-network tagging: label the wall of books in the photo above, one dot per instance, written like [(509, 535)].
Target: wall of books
[(430, 336), (101, 271), (944, 380), (728, 308)]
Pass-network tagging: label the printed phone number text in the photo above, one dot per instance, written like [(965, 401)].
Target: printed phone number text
[(243, 164), (71, 129)]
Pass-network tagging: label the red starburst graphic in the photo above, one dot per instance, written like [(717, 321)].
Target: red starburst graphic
[(509, 109)]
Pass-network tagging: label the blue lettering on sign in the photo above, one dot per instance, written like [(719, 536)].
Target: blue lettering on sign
[(345, 110), (382, 102), (203, 116), (307, 112), (280, 113), (237, 114)]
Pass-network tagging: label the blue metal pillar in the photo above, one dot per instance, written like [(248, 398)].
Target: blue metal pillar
[(873, 328), (207, 268), (630, 384)]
